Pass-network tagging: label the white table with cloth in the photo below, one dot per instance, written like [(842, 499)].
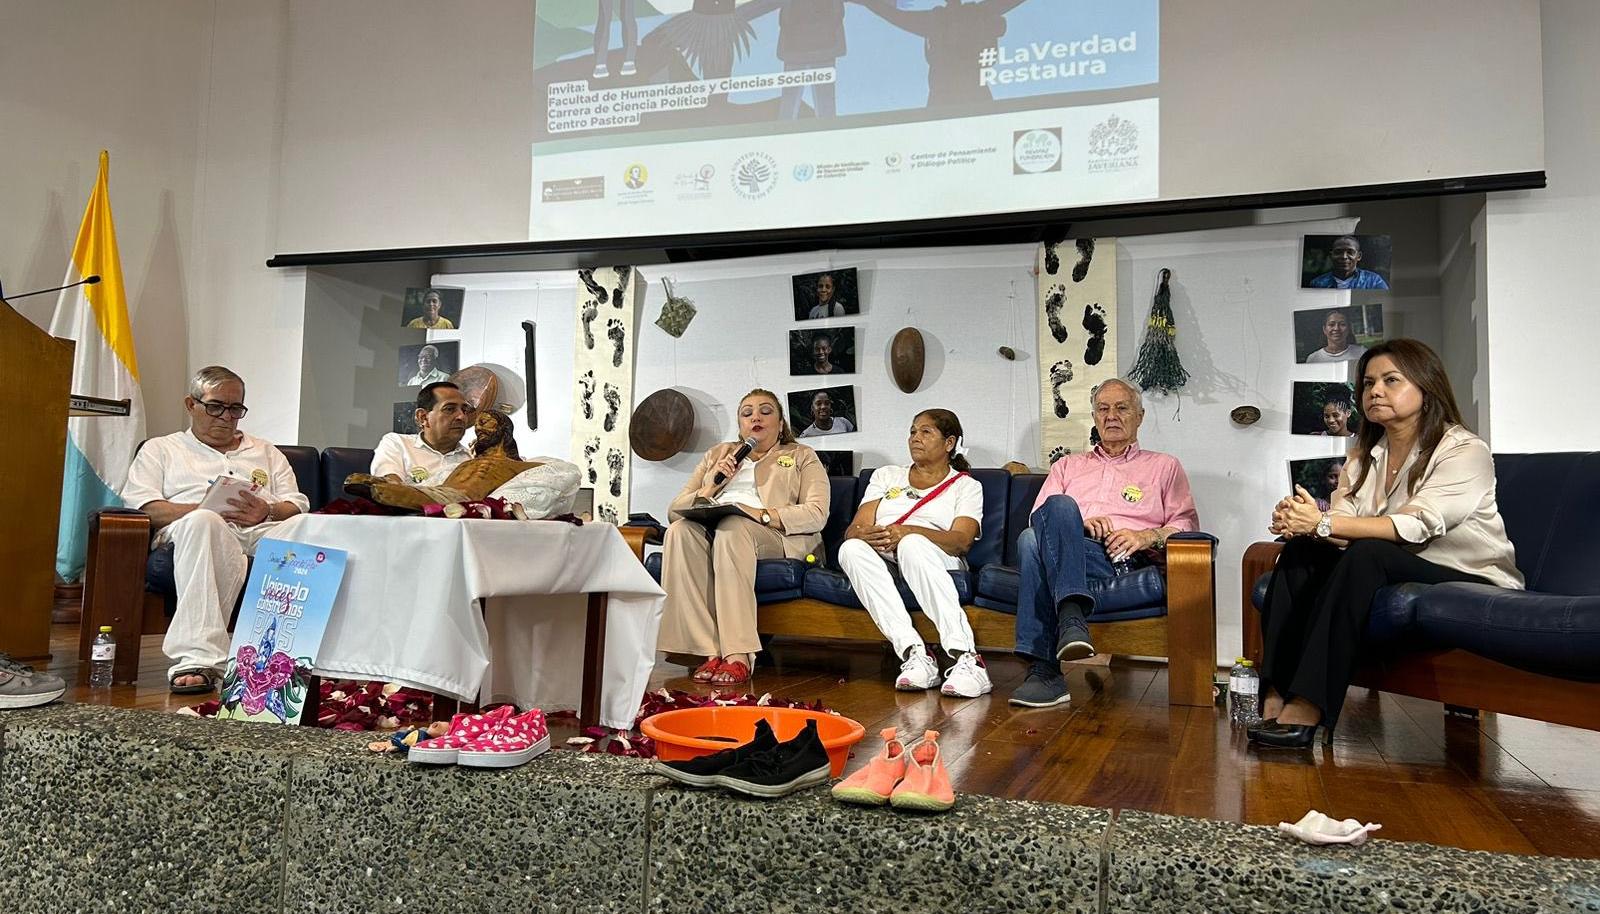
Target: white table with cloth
[(494, 609)]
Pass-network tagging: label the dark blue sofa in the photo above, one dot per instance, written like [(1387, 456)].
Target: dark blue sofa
[(1533, 653), (1146, 613)]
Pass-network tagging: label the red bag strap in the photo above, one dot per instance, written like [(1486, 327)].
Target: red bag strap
[(937, 491)]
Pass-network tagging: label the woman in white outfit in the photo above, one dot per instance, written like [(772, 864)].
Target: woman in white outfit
[(923, 518)]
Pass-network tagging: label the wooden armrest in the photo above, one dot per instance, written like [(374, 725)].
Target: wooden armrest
[(1191, 619), (637, 538), (1259, 559), (113, 584)]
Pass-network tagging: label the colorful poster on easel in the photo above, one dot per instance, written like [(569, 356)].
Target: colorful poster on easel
[(281, 622)]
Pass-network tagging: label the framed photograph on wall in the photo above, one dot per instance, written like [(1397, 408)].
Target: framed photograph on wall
[(433, 309), (1339, 334), (1326, 409), (405, 417), (823, 411), (838, 463), (831, 293), (1345, 261), (425, 363), (1319, 476), (822, 352)]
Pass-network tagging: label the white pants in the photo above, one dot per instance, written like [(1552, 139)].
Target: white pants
[(926, 569), (209, 567)]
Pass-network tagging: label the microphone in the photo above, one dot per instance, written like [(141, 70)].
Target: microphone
[(86, 281), (748, 445)]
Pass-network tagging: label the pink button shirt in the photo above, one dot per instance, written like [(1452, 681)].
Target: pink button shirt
[(1138, 490)]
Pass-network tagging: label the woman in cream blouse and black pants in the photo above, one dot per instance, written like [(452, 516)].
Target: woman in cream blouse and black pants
[(782, 490), (1415, 503)]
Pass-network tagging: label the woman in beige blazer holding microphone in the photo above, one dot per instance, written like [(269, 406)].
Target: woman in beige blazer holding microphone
[(781, 492)]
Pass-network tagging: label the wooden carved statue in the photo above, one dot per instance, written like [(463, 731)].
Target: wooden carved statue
[(495, 462)]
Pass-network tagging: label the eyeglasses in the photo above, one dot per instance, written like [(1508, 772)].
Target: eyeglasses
[(216, 410)]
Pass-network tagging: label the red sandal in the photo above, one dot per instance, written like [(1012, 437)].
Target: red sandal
[(705, 671), (731, 672)]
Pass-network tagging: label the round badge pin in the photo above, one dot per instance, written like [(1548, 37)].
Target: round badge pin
[(259, 476), (1132, 494), (419, 474)]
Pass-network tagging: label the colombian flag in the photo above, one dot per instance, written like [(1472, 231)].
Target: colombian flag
[(100, 448)]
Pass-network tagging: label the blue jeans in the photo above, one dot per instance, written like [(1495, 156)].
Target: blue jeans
[(1057, 561)]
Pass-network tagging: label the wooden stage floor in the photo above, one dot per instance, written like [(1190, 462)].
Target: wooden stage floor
[(1498, 784)]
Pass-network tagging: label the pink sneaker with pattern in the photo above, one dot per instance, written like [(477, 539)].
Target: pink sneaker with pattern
[(464, 728), (518, 740)]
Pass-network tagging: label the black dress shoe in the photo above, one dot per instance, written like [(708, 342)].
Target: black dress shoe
[(1285, 736)]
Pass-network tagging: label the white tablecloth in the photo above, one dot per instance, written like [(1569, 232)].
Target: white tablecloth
[(416, 592)]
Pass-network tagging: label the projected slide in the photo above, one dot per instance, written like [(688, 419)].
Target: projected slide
[(683, 116)]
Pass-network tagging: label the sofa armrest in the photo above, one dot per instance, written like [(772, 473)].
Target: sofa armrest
[(1191, 618), (113, 584), (1259, 559)]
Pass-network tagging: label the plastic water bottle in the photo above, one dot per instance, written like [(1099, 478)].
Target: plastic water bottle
[(102, 656), (1244, 691)]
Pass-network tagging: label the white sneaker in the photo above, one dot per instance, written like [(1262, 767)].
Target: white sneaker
[(919, 672), (601, 71), (629, 68), (968, 678)]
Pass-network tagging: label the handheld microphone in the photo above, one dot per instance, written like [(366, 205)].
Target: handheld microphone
[(86, 281), (744, 450)]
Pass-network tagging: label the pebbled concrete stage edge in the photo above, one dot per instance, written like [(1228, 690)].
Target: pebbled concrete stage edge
[(107, 809)]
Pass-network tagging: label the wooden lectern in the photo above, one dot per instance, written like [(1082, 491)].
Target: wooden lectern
[(35, 369)]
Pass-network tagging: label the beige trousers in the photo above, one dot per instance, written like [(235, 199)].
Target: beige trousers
[(711, 586)]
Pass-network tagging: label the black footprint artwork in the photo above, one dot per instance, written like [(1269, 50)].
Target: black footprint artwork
[(590, 311), (1056, 453), (614, 464), (1052, 262), (590, 448), (608, 514), (1094, 321), (586, 382), (1085, 255), (622, 285), (595, 289), (614, 333), (1094, 436), (613, 403), (1060, 373), (1053, 301)]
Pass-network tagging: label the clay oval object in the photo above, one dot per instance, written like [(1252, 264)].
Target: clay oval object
[(479, 385), (907, 359), (1245, 415), (661, 425)]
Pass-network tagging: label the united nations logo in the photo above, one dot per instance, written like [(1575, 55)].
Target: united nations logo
[(804, 171), (755, 174), (892, 160), (1114, 138)]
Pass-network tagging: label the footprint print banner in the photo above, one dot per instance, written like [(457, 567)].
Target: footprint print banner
[(1077, 339), (603, 366)]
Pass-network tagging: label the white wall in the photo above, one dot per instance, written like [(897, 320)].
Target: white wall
[(1463, 307), (1543, 330), (78, 76)]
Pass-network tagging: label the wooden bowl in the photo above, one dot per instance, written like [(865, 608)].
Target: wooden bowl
[(661, 425)]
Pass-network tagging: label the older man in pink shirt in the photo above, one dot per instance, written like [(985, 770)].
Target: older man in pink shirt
[(1116, 503)]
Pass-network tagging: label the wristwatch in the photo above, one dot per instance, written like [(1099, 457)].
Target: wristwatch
[(766, 519), (1325, 526)]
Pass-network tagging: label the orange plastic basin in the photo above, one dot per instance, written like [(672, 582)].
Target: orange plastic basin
[(694, 732)]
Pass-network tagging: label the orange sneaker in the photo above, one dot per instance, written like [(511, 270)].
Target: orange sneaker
[(872, 785), (926, 785)]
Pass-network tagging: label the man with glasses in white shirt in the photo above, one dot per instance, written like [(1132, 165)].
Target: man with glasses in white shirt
[(169, 478)]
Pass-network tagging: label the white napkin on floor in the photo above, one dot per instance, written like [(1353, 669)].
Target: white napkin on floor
[(1316, 828)]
